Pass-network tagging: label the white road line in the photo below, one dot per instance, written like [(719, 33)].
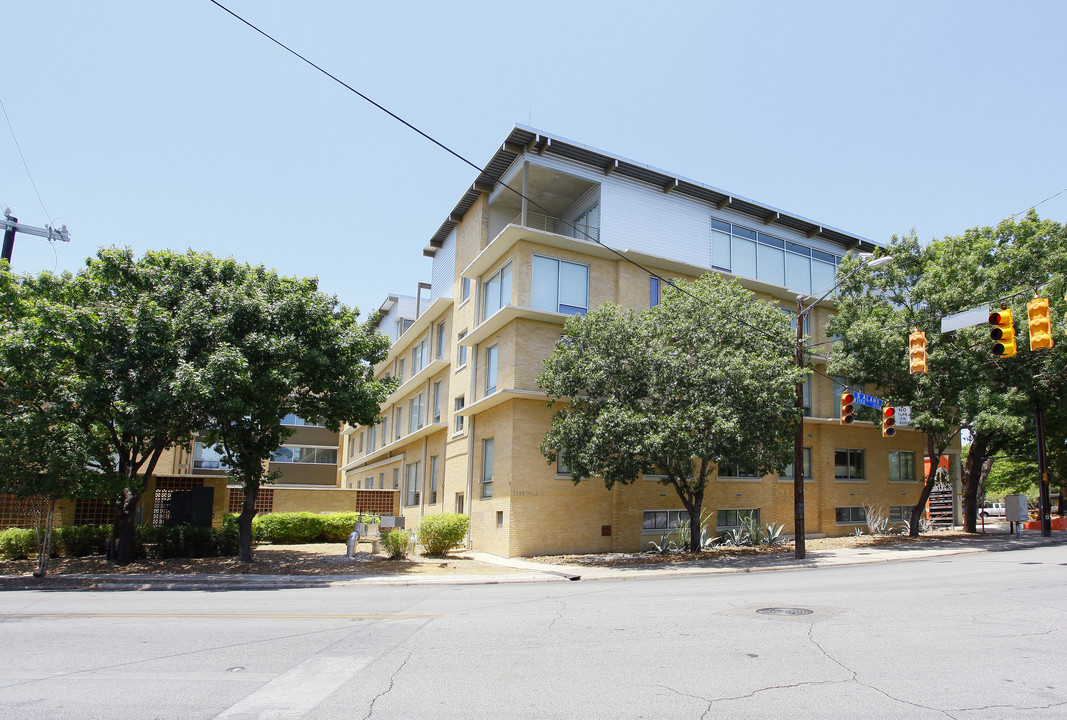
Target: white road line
[(297, 692)]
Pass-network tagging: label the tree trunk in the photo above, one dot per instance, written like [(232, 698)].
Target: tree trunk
[(124, 532), (244, 520), (972, 480), (928, 486), (44, 538)]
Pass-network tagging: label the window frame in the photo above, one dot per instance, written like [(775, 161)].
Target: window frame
[(736, 514), (559, 306), (849, 465), (412, 496), (502, 288), (434, 467), (316, 451), (416, 407), (461, 350), (488, 461), (492, 361), (652, 525), (809, 469), (460, 403), (896, 464), (853, 510)]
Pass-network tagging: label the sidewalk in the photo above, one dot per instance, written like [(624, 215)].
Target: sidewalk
[(541, 572)]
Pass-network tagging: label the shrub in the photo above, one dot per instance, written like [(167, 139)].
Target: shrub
[(18, 543), (440, 533), (186, 541), (395, 542), (305, 527), (81, 540)]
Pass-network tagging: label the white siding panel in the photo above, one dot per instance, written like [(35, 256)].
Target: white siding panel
[(443, 274)]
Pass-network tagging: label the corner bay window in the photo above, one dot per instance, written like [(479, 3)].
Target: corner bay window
[(848, 465), (307, 455), (560, 286), (497, 291)]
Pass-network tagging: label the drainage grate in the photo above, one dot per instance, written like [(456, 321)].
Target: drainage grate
[(784, 611)]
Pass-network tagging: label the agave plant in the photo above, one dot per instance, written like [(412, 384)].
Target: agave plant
[(877, 520), (772, 534), (737, 537), (752, 528), (665, 545)]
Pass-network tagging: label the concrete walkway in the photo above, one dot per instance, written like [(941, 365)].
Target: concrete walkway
[(541, 572)]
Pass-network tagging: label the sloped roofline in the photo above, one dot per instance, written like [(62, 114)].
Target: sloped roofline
[(526, 139)]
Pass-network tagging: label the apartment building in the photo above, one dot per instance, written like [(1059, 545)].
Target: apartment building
[(462, 431)]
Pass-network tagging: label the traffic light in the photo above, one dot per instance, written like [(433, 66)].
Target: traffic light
[(917, 341), (847, 408), (889, 421), (1040, 324), (1003, 334)]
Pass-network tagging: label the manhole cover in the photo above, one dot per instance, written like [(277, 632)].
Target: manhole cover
[(784, 611)]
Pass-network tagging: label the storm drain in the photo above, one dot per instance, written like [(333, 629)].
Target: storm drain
[(784, 611)]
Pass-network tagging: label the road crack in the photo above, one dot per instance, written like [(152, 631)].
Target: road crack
[(383, 693)]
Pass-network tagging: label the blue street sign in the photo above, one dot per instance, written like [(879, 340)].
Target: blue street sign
[(868, 400)]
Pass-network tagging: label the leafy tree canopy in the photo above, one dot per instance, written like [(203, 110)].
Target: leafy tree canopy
[(705, 379)]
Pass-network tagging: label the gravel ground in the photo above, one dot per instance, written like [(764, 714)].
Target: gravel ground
[(313, 559), (329, 559)]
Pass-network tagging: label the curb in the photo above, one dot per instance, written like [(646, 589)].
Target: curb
[(533, 573)]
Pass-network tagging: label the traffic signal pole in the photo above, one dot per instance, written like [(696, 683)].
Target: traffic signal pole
[(12, 225), (1042, 471), (9, 238), (798, 446)]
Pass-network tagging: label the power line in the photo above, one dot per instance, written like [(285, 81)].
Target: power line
[(467, 161), (24, 163), (1021, 212)]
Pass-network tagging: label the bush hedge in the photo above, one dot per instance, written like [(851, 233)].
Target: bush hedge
[(440, 533), (396, 543), (305, 527), (18, 543)]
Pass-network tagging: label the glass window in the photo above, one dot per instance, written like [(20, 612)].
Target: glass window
[(560, 286), (491, 355), (487, 468), (305, 455), (396, 478), (205, 457), (464, 289), (400, 370), (433, 480), (733, 518), (788, 471), (411, 484), (587, 225), (850, 515), (418, 357), (361, 442), (296, 420), (798, 273), (744, 256), (440, 340), (399, 424), (372, 437), (497, 291), (901, 466), (462, 349), (415, 410), (665, 519), (848, 465), (653, 291), (460, 404), (770, 262), (822, 276), (737, 471), (369, 483), (900, 512), (437, 401), (720, 249)]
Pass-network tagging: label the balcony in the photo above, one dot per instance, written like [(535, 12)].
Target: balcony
[(558, 226)]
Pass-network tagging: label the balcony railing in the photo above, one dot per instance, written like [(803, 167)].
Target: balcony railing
[(551, 224)]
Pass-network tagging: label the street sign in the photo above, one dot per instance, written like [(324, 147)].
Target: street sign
[(977, 316), (868, 400), (904, 416)]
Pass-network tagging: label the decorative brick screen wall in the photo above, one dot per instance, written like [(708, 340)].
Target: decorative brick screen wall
[(379, 502), (15, 512), (164, 487), (264, 500), (94, 512)]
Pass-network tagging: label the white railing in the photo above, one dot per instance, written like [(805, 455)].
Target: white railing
[(548, 223)]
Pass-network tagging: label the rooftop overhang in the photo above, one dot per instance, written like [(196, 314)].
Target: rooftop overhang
[(523, 140)]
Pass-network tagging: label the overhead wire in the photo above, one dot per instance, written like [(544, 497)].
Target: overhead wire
[(24, 163)]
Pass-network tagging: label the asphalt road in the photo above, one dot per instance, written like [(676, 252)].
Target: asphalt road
[(968, 636)]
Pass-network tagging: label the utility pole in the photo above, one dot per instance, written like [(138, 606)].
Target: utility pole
[(12, 225), (1045, 506), (800, 548)]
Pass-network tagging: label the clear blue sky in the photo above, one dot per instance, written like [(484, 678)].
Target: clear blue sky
[(171, 125)]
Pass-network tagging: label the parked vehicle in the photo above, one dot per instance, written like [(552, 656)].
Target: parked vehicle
[(993, 509)]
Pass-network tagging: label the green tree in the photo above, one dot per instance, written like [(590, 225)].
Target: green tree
[(282, 347), (705, 379), (43, 457)]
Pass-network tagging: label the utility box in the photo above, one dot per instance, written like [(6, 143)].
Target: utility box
[(1015, 509)]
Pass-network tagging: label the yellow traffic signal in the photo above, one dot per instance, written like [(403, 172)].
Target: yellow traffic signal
[(847, 408), (889, 421), (1003, 334), (1040, 324), (917, 341)]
